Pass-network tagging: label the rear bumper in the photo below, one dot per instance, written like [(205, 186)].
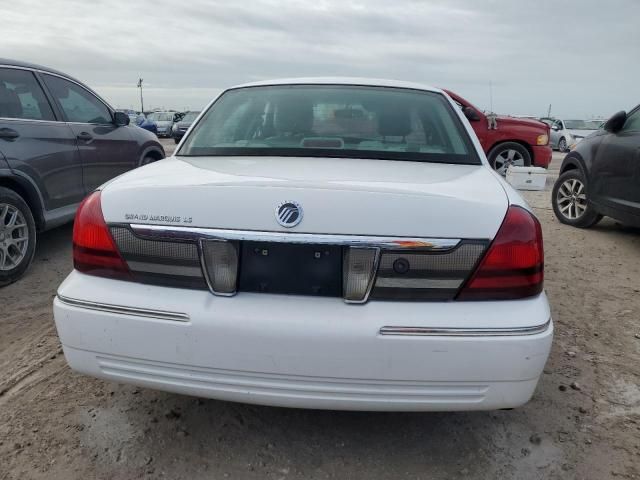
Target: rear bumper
[(541, 155), (305, 352)]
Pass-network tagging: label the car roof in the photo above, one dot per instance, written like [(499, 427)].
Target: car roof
[(35, 66), (370, 82)]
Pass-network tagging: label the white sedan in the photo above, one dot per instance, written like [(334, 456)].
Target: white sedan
[(314, 243)]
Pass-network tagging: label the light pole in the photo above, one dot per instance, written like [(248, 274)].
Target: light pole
[(141, 100)]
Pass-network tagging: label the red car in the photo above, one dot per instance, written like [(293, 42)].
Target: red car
[(508, 140)]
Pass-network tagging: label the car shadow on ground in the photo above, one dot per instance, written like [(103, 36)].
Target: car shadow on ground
[(611, 226)]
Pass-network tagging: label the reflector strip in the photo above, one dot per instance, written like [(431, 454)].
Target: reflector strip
[(419, 282), (160, 262), (426, 275)]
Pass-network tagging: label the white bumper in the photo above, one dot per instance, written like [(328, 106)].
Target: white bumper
[(305, 352)]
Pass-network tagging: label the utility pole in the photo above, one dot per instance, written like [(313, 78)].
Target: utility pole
[(549, 111), (141, 100)]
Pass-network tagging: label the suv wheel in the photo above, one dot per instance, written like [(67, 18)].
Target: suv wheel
[(502, 156), (570, 201), (17, 236)]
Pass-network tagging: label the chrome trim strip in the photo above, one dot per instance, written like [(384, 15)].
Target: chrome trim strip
[(464, 332), (122, 310), (169, 232), (418, 283), (19, 119)]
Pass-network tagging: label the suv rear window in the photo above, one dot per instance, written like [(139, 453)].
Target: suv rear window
[(332, 120)]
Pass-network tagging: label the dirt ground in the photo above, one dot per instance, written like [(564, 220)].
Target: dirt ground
[(583, 422)]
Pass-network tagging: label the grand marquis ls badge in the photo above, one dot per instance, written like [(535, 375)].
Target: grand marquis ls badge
[(289, 213)]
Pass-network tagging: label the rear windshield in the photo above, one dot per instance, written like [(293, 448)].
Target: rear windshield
[(582, 124), (335, 121), (190, 116), (161, 117)]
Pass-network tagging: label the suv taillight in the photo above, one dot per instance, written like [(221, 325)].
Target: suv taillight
[(94, 251), (513, 267)]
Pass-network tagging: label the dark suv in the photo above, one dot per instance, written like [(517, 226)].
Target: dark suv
[(601, 176), (58, 142)]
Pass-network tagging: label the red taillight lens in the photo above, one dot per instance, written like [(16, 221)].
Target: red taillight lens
[(513, 267), (94, 251)]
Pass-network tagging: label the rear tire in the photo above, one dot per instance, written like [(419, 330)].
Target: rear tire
[(569, 199), (17, 236), (506, 154)]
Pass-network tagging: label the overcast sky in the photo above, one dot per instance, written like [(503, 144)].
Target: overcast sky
[(580, 56)]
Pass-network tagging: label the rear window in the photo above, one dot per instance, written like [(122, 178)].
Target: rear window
[(582, 124), (22, 97), (190, 116), (161, 117), (335, 121)]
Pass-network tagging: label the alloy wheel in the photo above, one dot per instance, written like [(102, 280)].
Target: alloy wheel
[(572, 199), (507, 158), (562, 145), (14, 237)]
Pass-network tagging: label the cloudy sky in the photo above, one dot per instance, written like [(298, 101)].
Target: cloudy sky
[(580, 56)]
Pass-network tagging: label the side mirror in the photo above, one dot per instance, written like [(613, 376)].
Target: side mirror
[(555, 127), (121, 119), (471, 114), (616, 122)]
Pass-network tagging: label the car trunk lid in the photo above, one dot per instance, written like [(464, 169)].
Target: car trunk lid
[(337, 196)]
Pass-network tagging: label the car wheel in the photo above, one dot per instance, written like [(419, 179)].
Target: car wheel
[(570, 201), (502, 156), (176, 140), (17, 236), (562, 145)]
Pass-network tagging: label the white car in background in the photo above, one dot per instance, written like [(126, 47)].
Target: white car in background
[(163, 121), (314, 243), (565, 134)]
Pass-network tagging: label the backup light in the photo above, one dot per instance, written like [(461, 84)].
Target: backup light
[(359, 269), (94, 251), (220, 264)]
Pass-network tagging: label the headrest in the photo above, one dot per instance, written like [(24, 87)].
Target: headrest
[(394, 122), (294, 115), (10, 105)]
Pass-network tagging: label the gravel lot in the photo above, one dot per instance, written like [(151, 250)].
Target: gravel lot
[(583, 422)]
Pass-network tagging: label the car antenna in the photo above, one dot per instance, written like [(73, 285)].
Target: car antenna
[(490, 96), (492, 117)]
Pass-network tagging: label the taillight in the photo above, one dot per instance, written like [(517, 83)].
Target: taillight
[(94, 251), (513, 267)]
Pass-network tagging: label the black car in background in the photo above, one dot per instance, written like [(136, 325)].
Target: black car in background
[(602, 175), (58, 142), (181, 126)]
